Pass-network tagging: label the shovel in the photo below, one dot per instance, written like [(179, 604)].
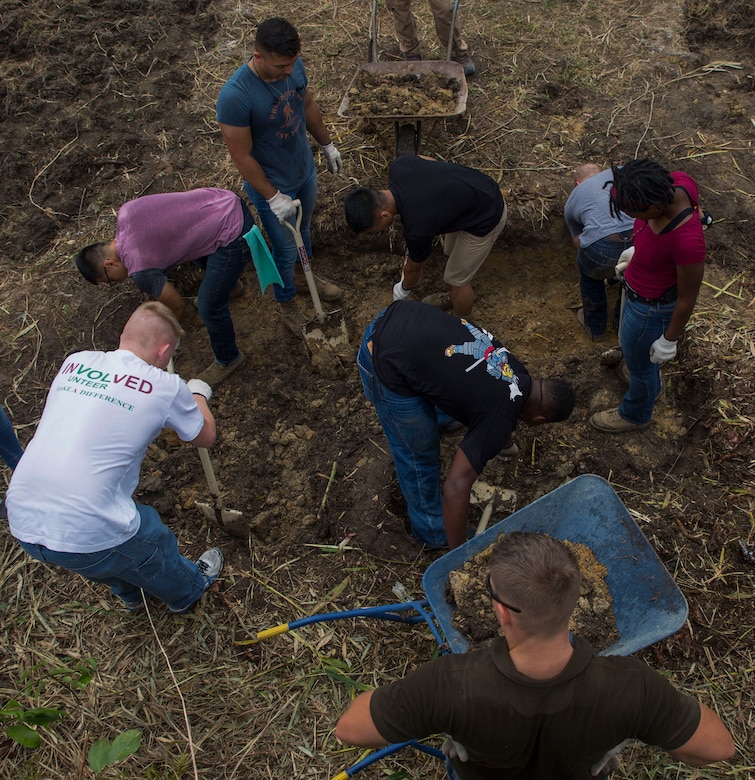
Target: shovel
[(230, 520), (325, 329)]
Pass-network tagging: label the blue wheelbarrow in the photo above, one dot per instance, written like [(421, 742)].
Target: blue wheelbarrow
[(647, 603)]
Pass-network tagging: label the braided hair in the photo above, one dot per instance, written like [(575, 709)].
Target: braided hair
[(638, 185)]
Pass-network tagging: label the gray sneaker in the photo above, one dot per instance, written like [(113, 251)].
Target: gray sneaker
[(467, 64), (210, 565)]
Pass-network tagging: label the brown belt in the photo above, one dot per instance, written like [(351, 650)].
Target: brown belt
[(619, 238)]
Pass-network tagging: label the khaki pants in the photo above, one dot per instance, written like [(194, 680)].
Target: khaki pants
[(466, 253), (406, 28)]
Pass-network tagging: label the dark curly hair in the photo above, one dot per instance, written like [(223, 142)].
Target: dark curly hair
[(638, 185)]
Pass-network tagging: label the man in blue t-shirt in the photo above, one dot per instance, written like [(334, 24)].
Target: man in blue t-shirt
[(600, 239), (265, 110), (423, 369), (434, 198)]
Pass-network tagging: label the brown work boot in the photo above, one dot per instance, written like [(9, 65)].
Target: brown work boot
[(325, 288), (611, 421), (237, 291), (214, 374), (292, 317)]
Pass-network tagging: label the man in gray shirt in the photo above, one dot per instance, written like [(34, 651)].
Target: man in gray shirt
[(600, 238)]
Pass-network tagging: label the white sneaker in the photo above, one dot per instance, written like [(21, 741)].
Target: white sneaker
[(210, 565)]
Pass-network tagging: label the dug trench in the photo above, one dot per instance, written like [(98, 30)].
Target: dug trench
[(301, 453)]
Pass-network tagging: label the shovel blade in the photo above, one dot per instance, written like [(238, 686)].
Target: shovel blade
[(207, 510), (230, 520), (330, 331), (234, 524)]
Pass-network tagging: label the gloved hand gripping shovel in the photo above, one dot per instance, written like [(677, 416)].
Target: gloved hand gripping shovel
[(326, 329)]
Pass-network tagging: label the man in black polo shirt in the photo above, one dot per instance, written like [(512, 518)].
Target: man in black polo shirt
[(537, 703), (423, 369), (434, 198)]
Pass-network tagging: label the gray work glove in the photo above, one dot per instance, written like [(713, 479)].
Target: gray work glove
[(332, 157), (625, 258), (282, 206), (662, 350), (200, 387), (453, 749)]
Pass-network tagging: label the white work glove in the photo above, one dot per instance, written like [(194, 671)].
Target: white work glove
[(282, 206), (662, 350), (454, 749), (200, 387), (625, 258), (399, 293), (332, 157)]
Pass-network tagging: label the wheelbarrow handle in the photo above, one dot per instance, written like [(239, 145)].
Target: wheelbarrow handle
[(295, 229), (452, 30)]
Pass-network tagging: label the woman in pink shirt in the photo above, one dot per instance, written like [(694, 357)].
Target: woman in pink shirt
[(660, 284)]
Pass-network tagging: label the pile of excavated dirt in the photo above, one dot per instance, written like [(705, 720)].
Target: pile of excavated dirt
[(592, 619)]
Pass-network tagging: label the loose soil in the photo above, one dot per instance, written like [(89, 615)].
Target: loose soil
[(593, 617), (103, 102), (402, 95)]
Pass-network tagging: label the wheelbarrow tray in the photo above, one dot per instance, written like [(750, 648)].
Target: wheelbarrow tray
[(449, 68), (647, 603)]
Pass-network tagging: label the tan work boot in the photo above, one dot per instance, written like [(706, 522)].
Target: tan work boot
[(214, 374), (611, 421), (325, 288), (292, 317)]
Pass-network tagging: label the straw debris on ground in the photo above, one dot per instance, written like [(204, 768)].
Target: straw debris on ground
[(105, 102)]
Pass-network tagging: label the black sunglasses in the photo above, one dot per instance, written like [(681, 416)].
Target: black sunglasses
[(495, 598)]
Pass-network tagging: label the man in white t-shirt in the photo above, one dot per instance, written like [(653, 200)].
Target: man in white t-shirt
[(70, 499)]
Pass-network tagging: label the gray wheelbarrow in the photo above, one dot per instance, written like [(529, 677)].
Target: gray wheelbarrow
[(327, 329)]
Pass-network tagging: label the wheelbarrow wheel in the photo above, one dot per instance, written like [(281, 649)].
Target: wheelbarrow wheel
[(407, 138)]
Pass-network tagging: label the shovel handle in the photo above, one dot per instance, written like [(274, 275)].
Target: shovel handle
[(209, 473), (452, 30), (296, 231)]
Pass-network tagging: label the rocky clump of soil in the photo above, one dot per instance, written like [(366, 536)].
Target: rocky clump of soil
[(592, 619)]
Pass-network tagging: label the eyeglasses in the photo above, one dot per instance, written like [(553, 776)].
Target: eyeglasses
[(495, 598), (107, 276)]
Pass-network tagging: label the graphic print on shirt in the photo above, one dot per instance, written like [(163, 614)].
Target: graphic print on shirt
[(496, 360), (88, 380), (291, 124)]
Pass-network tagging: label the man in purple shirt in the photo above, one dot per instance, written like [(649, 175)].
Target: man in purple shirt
[(156, 233)]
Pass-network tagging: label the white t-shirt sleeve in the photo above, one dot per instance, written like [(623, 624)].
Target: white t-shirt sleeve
[(184, 416)]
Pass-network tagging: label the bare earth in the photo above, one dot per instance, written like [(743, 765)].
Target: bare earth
[(104, 102)]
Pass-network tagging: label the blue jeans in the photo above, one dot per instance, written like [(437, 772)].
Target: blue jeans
[(10, 447), (281, 238), (149, 560), (641, 325), (596, 263), (222, 270), (411, 426)]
